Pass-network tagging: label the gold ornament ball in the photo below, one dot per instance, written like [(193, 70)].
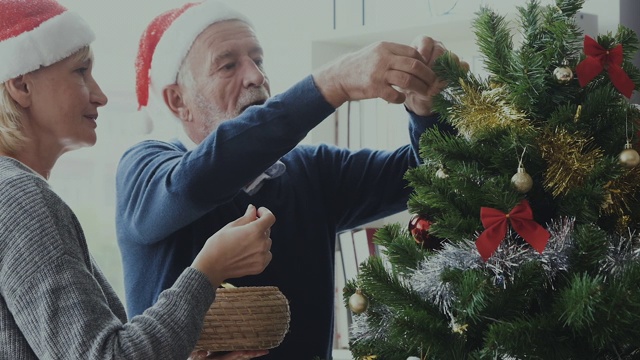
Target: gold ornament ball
[(563, 74), (358, 303), (629, 157), (522, 181)]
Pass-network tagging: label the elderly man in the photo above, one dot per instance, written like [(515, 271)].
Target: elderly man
[(202, 65)]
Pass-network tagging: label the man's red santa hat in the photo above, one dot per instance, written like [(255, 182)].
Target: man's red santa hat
[(166, 42)]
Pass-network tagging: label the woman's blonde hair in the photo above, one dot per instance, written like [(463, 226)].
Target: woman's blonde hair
[(11, 136)]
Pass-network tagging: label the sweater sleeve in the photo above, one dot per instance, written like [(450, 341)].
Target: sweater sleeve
[(160, 188), (419, 124), (365, 185), (60, 308)]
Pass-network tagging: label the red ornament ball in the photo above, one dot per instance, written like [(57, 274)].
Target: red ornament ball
[(419, 229)]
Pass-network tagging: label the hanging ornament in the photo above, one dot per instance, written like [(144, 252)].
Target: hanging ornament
[(629, 157), (419, 229), (358, 303), (521, 180), (442, 173), (563, 73), (413, 358)]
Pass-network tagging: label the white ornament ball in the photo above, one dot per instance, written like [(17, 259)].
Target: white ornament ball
[(413, 358), (522, 181), (358, 303), (629, 157), (563, 74)]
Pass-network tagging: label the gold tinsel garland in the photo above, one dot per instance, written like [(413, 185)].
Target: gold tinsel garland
[(619, 191), (568, 158), (481, 110)]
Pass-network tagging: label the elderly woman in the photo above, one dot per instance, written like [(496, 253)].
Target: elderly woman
[(54, 301)]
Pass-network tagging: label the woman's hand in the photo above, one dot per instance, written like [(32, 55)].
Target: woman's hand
[(240, 248)]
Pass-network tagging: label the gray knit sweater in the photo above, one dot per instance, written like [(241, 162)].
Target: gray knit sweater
[(54, 301)]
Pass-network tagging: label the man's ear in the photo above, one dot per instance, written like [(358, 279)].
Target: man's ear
[(174, 99), (20, 90)]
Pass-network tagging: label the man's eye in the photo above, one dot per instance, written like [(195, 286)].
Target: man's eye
[(82, 70), (258, 62), (229, 66)]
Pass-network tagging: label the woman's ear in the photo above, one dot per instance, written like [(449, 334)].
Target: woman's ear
[(19, 90), (174, 99)]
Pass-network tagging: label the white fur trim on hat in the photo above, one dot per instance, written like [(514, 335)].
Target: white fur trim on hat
[(175, 43), (52, 41)]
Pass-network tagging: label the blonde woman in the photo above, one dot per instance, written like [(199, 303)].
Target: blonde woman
[(54, 301)]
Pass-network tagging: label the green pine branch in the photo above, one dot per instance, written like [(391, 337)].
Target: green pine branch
[(399, 248), (495, 42)]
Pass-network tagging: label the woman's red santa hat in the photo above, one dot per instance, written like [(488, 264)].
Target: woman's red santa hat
[(36, 33), (164, 45)]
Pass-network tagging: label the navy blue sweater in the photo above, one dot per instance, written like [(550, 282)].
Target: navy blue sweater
[(170, 201)]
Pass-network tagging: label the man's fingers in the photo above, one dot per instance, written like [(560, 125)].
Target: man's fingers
[(465, 66), (455, 57), (409, 83), (413, 68), (401, 50), (435, 89), (437, 51), (429, 48), (424, 45), (391, 95)]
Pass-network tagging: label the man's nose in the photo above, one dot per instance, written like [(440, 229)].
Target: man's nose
[(254, 75)]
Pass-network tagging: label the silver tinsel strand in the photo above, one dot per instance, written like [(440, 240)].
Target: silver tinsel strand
[(621, 251), (360, 329), (503, 265), (426, 278)]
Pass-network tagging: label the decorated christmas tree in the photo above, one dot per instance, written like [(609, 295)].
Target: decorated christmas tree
[(524, 243)]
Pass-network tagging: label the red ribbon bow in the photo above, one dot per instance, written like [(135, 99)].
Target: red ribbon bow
[(599, 58), (495, 224)]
